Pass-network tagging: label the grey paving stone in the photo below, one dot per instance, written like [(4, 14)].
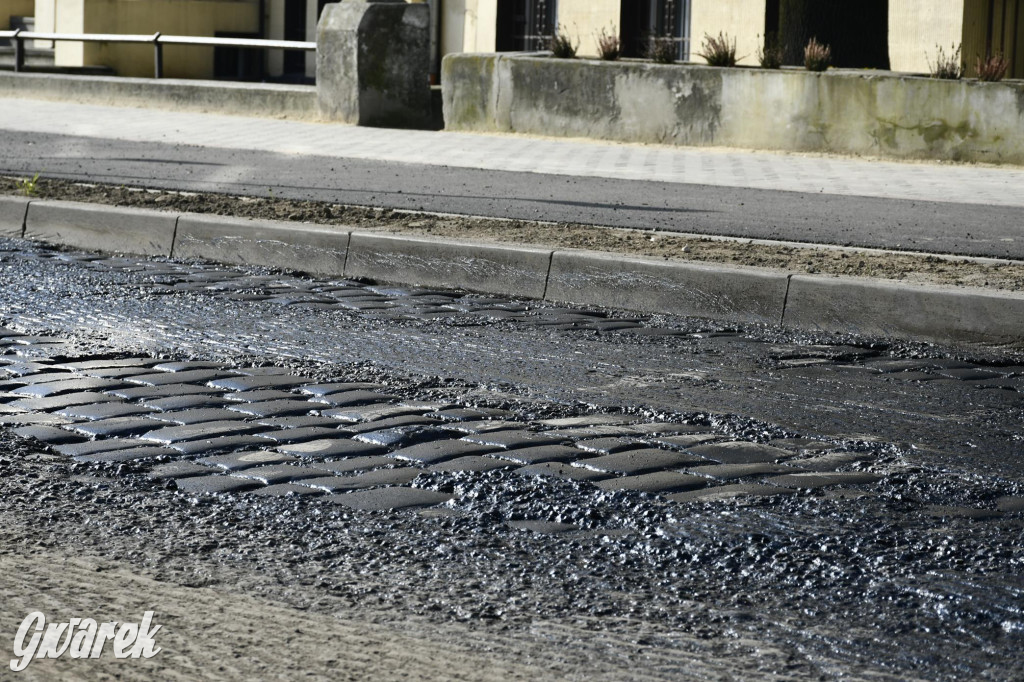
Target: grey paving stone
[(830, 461), (509, 440), (823, 480), (15, 417), (129, 455), (186, 402), (356, 397), (438, 451), (251, 383), (149, 393), (180, 470), (371, 413), (300, 435), (687, 441), (539, 453), (286, 490), (216, 484), (463, 414), (560, 470), (302, 423), (338, 387), (332, 447), (402, 436), (484, 426), (216, 429), (90, 447), (1010, 504), (74, 385), (588, 420), (275, 408), (668, 429), (609, 446), (18, 367), (107, 410), (237, 461), (802, 445), (636, 462), (347, 466), (279, 473), (115, 372), (731, 492), (945, 512), (58, 402), (197, 376), (659, 482), (391, 423), (729, 472), (116, 427), (393, 498), (741, 452), (260, 396), (200, 415), (262, 371), (473, 463), (615, 325), (969, 374), (376, 478), (186, 366), (542, 527), (222, 444), (52, 435), (83, 365), (588, 432)]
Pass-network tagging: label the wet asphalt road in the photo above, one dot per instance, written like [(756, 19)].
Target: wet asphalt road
[(962, 229), (908, 563)]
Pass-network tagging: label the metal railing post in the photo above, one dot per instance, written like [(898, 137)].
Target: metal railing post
[(19, 51), (158, 56)]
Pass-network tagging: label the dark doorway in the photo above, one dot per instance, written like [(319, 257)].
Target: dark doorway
[(295, 29), (857, 32), (642, 20), (525, 25), (238, 63)]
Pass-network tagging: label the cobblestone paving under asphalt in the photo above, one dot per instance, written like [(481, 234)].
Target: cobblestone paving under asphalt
[(219, 428)]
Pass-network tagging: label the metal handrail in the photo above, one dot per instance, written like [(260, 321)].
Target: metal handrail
[(156, 40)]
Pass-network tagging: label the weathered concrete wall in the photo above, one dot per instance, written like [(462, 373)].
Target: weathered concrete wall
[(854, 112), (373, 64), (296, 102)]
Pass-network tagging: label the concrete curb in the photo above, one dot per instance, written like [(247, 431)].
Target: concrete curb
[(101, 228), (874, 307), (489, 268), (841, 304), (318, 250), (616, 281)]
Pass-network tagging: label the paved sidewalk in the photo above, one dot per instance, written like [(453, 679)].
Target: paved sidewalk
[(933, 182)]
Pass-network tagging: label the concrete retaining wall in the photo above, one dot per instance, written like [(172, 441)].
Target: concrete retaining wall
[(850, 112), (243, 99)]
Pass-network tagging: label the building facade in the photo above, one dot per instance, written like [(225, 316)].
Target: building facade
[(902, 35)]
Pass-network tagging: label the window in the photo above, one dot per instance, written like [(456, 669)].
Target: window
[(642, 20), (525, 25)]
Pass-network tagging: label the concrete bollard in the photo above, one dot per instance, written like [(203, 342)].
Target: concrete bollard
[(373, 63)]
